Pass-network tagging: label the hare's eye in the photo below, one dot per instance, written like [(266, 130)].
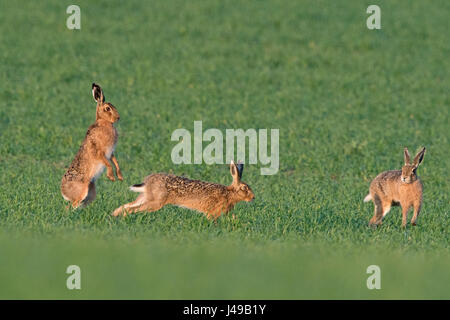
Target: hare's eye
[(244, 188), (108, 109)]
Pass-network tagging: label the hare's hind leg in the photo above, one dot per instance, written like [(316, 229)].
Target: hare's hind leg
[(149, 206), (378, 211), (386, 209), (137, 206), (155, 199), (124, 209), (149, 200)]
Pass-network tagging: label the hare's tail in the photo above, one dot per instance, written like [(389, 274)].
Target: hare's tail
[(138, 187), (368, 198)]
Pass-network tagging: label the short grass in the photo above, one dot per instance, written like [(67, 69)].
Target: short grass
[(346, 101)]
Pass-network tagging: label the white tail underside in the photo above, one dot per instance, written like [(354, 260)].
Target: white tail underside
[(368, 198), (138, 189)]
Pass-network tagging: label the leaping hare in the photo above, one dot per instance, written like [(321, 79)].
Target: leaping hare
[(78, 183), (209, 198), (397, 187)]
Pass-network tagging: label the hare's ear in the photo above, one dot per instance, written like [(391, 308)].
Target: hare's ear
[(97, 93), (419, 157), (234, 172), (407, 156)]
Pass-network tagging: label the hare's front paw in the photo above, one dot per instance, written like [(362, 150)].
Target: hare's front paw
[(119, 176), (111, 177)]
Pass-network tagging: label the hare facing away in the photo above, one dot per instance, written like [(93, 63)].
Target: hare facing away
[(78, 183), (397, 187), (209, 198)]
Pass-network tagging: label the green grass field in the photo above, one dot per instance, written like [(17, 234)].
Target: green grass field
[(346, 100)]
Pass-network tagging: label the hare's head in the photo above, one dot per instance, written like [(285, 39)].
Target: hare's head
[(409, 174), (240, 188), (105, 110)]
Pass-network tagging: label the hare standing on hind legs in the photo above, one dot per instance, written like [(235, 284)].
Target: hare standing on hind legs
[(209, 198), (78, 183), (397, 187)]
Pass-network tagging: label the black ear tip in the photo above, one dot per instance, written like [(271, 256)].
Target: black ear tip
[(240, 167)]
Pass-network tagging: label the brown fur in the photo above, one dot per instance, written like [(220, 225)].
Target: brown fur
[(398, 187), (212, 199), (78, 183)]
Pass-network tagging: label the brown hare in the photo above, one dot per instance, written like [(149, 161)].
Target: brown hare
[(397, 187), (78, 183), (209, 198)]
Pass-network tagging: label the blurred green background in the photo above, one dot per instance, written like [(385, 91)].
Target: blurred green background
[(346, 100)]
